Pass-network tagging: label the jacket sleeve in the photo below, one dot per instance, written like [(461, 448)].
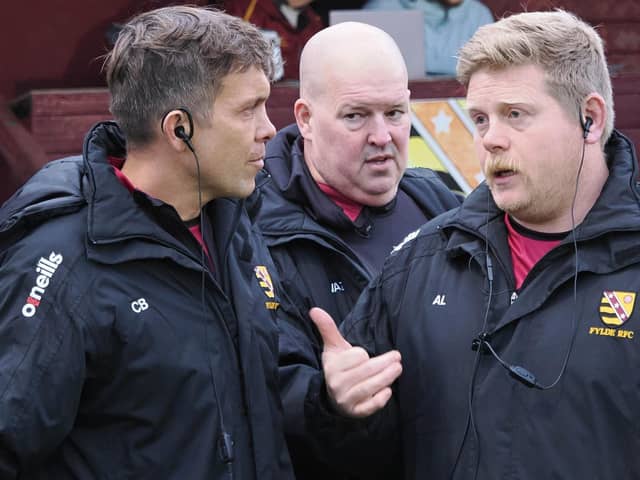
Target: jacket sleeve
[(299, 347), (41, 365), (367, 448)]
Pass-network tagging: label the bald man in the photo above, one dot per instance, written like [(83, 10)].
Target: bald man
[(335, 197)]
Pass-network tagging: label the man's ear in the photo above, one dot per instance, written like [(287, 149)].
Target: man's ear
[(302, 112), (172, 123), (595, 108)]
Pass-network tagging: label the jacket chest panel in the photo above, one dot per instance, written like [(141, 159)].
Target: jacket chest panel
[(160, 330), (595, 402)]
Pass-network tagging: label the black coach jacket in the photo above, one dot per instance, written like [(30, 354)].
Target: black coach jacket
[(122, 356), (460, 410), (317, 268)]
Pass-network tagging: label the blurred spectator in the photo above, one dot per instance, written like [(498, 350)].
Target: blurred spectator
[(448, 24), (294, 22)]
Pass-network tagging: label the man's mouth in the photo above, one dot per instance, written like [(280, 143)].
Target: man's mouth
[(503, 173), (378, 160)]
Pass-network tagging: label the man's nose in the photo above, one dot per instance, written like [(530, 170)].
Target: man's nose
[(266, 130), (495, 137), (379, 134)]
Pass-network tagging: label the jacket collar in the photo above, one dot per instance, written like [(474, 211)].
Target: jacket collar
[(150, 227), (601, 249), (115, 214), (616, 210), (286, 164), (297, 206)]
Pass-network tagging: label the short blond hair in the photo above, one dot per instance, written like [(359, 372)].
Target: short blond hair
[(569, 51)]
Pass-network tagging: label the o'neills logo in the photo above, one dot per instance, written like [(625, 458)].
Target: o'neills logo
[(46, 268)]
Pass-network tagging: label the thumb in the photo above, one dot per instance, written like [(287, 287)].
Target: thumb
[(327, 327)]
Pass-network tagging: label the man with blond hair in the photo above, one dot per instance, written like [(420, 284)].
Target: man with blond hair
[(503, 333), (336, 197), (137, 308)]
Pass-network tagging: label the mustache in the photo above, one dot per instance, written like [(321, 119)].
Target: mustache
[(497, 164)]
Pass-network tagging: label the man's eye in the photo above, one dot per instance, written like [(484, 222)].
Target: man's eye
[(395, 114), (479, 119)]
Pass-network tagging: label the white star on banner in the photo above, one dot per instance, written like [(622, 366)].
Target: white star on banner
[(442, 122)]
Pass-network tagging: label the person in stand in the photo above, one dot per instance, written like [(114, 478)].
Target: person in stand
[(448, 24), (138, 335), (290, 23), (501, 339), (336, 197)]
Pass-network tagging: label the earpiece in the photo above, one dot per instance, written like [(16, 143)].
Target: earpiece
[(180, 133), (586, 124), (588, 121)]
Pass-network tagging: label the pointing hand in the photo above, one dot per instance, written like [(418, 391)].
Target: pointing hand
[(357, 384)]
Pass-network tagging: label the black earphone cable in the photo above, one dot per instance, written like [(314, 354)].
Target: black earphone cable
[(520, 373), (226, 440)]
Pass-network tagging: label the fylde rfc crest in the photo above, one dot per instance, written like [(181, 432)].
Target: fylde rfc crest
[(616, 307)]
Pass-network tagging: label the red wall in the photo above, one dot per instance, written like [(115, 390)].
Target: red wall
[(55, 43), (617, 21)]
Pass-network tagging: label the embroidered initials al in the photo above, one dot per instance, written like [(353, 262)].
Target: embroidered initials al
[(440, 300)]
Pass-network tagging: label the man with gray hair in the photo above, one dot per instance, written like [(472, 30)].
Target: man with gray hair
[(336, 197), (503, 333), (137, 334)]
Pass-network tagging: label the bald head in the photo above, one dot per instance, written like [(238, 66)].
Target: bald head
[(353, 111), (352, 50)]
